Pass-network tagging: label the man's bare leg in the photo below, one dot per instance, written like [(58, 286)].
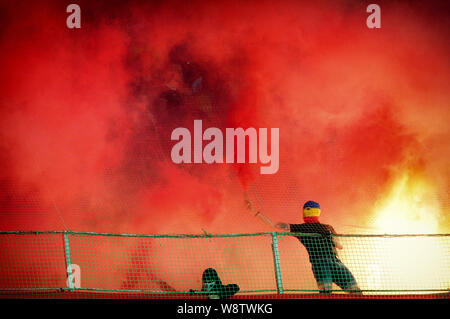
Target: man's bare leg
[(354, 290), (324, 288)]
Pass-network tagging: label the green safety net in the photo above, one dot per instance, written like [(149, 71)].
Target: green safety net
[(276, 265)]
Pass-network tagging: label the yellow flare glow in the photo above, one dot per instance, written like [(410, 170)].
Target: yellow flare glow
[(411, 262), (410, 208)]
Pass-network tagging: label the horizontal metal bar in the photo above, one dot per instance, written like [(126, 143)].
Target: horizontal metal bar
[(213, 235)]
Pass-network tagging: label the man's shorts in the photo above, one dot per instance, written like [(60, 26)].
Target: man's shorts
[(327, 271)]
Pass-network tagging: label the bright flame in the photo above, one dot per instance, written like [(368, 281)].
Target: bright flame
[(401, 263), (411, 208)]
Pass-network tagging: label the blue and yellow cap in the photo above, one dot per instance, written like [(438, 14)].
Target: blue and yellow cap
[(311, 209)]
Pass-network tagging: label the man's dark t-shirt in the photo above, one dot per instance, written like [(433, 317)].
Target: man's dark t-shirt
[(319, 248)]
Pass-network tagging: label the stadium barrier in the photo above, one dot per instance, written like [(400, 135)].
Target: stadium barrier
[(69, 264)]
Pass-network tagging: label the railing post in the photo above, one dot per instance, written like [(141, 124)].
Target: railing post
[(276, 261), (68, 261)]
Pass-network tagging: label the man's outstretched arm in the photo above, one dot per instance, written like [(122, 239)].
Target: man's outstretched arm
[(283, 226), (265, 219), (337, 243), (336, 240)]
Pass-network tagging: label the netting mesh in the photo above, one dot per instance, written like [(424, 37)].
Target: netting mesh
[(77, 265)]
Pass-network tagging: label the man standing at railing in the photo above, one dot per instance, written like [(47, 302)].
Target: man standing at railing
[(326, 266)]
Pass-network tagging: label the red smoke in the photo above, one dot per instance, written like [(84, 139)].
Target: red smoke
[(86, 114)]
